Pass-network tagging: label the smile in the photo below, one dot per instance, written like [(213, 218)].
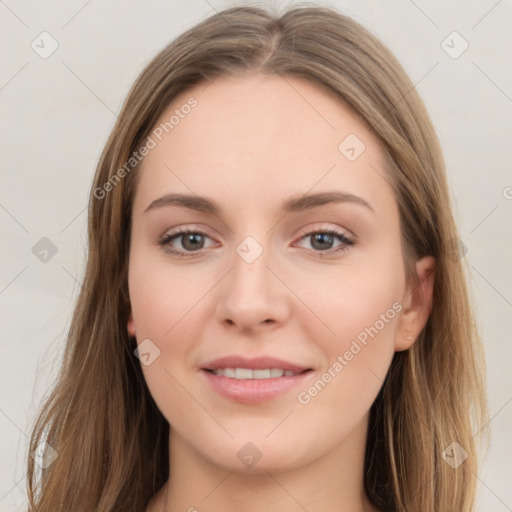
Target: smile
[(247, 373), (248, 386)]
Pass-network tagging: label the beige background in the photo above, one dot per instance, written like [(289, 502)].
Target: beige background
[(56, 114)]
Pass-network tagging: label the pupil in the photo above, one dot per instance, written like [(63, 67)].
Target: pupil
[(193, 238), (324, 239), (320, 241)]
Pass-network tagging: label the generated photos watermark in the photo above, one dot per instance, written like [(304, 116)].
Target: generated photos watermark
[(152, 141), (342, 360)]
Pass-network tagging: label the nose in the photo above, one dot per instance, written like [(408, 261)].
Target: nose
[(253, 295)]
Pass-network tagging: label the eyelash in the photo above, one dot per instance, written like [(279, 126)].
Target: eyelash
[(346, 241)]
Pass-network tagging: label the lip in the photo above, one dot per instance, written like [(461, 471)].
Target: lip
[(253, 391), (256, 363)]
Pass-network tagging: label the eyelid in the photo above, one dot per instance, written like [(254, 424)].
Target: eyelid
[(196, 228), (350, 238), (182, 230), (322, 226), (301, 234)]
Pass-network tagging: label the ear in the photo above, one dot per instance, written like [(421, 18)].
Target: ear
[(417, 305), (131, 325)]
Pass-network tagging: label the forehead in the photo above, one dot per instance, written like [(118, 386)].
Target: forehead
[(254, 135)]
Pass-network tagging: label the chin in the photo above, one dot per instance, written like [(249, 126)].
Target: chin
[(258, 458)]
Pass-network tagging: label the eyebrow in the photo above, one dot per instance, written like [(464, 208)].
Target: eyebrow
[(291, 205)]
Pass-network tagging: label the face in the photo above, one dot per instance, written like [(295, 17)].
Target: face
[(270, 278)]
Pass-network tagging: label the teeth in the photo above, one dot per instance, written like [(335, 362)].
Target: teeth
[(263, 374), (247, 373), (243, 373)]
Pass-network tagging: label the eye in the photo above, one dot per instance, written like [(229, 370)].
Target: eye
[(322, 241), (193, 241), (190, 241)]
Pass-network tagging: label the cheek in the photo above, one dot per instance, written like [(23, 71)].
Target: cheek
[(356, 315), (350, 300), (363, 315), (162, 296), (164, 303)]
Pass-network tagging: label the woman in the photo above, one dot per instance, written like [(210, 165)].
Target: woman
[(274, 312)]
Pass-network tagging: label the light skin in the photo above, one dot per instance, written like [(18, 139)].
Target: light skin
[(250, 144)]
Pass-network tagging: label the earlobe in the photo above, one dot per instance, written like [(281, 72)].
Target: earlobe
[(417, 305), (131, 325)]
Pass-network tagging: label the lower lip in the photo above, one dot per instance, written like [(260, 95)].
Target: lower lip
[(253, 391)]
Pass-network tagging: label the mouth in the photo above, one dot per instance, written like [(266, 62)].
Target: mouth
[(259, 374), (253, 381), (241, 367)]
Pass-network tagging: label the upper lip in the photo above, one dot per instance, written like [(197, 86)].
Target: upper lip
[(256, 363)]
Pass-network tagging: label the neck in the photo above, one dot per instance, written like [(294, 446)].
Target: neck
[(334, 482)]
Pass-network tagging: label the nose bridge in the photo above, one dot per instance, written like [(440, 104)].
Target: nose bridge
[(250, 280), (252, 294)]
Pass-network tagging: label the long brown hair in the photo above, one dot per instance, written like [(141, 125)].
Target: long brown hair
[(111, 440)]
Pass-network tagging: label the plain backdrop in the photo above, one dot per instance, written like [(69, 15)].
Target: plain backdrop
[(56, 114)]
